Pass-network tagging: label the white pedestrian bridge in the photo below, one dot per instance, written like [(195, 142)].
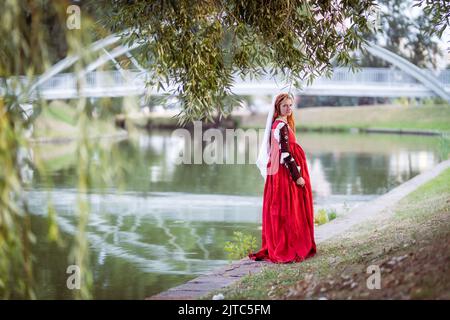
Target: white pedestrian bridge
[(368, 82), (403, 79)]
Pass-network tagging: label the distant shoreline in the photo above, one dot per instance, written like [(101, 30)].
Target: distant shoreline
[(57, 140)]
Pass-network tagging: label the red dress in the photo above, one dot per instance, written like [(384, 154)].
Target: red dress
[(288, 214)]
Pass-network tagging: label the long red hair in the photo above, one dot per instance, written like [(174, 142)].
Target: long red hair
[(278, 100)]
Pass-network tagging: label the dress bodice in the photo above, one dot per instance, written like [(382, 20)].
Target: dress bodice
[(276, 126)]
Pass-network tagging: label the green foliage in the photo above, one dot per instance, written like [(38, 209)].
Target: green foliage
[(16, 276), (241, 246), (400, 30), (332, 215), (323, 216), (26, 52), (438, 13), (198, 47)]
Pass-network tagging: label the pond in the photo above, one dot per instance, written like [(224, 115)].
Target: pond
[(170, 222)]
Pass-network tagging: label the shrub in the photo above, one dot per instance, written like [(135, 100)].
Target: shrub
[(241, 246), (332, 215), (323, 216)]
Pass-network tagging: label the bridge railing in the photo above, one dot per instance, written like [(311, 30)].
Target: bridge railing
[(103, 79), (444, 77), (371, 76), (133, 79), (98, 79)]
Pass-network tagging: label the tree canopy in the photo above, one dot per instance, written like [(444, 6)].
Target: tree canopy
[(198, 47), (438, 13), (412, 34)]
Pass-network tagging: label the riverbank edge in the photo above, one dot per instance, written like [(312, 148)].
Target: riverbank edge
[(124, 134), (225, 276), (119, 135), (320, 119), (326, 129), (162, 123)]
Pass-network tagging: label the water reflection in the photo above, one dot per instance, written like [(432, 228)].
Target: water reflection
[(172, 221)]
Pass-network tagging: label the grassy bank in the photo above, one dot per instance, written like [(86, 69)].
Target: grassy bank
[(427, 118), (410, 246), (419, 118), (58, 122)]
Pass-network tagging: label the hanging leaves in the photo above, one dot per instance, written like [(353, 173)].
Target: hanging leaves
[(202, 45)]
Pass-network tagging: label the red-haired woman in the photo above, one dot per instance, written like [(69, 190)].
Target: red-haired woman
[(288, 214)]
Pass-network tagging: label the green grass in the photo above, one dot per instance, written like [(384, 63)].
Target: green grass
[(419, 118), (421, 220), (58, 121), (427, 198), (60, 112), (324, 215), (436, 117)]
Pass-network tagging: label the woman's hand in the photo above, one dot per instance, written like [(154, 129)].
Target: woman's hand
[(300, 181)]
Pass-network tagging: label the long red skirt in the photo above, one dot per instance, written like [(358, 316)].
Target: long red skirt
[(288, 214)]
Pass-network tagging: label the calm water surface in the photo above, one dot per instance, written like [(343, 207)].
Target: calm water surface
[(171, 222)]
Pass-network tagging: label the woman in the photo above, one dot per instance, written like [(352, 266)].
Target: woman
[(288, 215)]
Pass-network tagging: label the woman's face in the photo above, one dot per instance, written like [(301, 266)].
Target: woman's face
[(286, 107)]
